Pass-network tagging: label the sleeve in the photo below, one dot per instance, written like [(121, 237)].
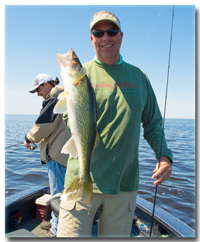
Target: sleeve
[(152, 124), (45, 124)]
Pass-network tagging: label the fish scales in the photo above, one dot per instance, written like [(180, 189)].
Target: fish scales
[(86, 126)]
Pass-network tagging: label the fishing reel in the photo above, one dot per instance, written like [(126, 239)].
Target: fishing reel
[(33, 147)]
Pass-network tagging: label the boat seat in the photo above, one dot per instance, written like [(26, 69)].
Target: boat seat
[(55, 203)]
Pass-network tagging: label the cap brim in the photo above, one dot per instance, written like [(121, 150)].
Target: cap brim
[(104, 20), (34, 89)]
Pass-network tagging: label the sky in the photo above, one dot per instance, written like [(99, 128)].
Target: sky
[(34, 33)]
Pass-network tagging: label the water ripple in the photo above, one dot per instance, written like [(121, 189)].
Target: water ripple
[(177, 194)]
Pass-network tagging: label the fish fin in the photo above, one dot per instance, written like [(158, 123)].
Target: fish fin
[(61, 106), (79, 188), (97, 141), (70, 148), (63, 95), (87, 191)]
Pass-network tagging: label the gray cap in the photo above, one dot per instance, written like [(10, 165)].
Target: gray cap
[(40, 79)]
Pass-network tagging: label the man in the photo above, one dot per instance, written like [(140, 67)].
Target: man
[(124, 98), (50, 131)]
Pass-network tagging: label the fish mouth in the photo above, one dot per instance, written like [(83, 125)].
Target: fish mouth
[(70, 55), (69, 60)]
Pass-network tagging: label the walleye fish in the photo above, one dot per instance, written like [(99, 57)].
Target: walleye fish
[(78, 100)]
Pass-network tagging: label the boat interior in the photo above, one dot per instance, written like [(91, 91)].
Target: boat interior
[(21, 215)]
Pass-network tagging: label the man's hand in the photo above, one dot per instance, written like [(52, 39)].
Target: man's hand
[(164, 170), (26, 144)]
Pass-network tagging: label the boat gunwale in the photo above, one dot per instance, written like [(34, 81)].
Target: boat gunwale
[(161, 217), (165, 219), (24, 195)]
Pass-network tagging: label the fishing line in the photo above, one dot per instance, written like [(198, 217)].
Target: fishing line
[(163, 116), (154, 23), (148, 33)]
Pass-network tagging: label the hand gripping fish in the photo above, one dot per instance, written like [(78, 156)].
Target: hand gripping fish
[(78, 100)]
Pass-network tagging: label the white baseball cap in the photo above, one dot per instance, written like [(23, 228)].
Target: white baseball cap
[(40, 79)]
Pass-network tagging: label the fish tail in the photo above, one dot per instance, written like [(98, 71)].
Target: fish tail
[(80, 188)]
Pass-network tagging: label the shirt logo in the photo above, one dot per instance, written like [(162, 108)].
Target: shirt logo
[(111, 86)]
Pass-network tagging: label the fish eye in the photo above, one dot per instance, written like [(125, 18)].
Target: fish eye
[(76, 59)]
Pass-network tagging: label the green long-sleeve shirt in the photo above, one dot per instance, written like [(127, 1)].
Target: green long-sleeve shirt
[(124, 98)]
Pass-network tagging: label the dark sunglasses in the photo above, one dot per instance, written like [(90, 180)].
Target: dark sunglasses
[(38, 89), (110, 32)]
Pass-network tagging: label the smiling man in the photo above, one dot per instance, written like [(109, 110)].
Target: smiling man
[(107, 47), (124, 99)]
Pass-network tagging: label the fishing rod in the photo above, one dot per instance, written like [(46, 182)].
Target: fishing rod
[(14, 145), (33, 147), (163, 117)]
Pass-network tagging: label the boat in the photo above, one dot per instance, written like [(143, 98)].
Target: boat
[(21, 219)]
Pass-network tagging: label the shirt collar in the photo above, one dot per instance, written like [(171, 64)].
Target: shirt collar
[(120, 60)]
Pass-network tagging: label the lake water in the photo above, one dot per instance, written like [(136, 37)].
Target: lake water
[(176, 195)]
